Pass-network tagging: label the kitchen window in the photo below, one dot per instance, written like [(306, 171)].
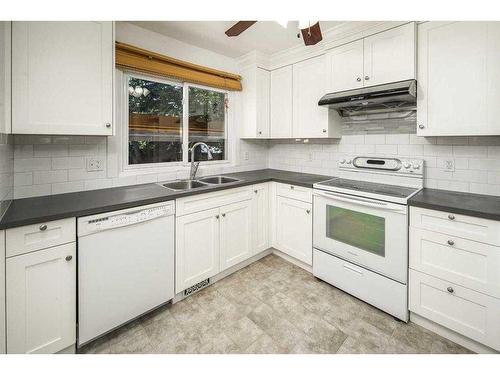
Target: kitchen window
[(165, 118)]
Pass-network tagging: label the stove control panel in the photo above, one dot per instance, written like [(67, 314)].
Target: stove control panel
[(389, 165)]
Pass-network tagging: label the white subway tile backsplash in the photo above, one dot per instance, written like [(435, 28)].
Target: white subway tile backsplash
[(98, 184), (32, 191), (23, 179), (68, 163), (397, 139), (83, 150), (31, 164), (83, 174), (44, 151), (375, 139), (470, 151), (23, 151), (386, 149), (67, 187), (49, 177)]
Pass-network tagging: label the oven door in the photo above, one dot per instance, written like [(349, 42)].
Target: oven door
[(367, 232)]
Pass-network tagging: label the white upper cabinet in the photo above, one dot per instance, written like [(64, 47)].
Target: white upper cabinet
[(345, 67), (62, 78), (309, 119), (385, 57), (281, 102), (389, 56), (5, 78), (458, 78), (256, 102)]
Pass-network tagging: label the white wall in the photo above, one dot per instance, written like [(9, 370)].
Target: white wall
[(47, 165)]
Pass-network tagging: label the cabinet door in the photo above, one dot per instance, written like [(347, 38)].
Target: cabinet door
[(345, 67), (41, 300), (2, 292), (458, 78), (309, 119), (5, 77), (260, 218), (263, 105), (197, 248), (294, 228), (390, 56), (235, 233), (62, 78), (281, 102)]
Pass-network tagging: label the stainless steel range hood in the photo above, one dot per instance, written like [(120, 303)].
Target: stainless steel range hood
[(390, 97)]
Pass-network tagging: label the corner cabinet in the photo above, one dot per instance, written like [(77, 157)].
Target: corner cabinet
[(256, 102), (260, 218), (281, 102), (62, 78), (458, 79), (388, 56)]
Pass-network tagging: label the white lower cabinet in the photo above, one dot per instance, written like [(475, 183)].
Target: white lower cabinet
[(235, 234), (294, 228), (41, 300), (2, 292), (260, 218), (472, 314), (196, 248), (454, 273)]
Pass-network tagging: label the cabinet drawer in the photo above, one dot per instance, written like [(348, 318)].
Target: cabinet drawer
[(473, 228), (468, 263), (294, 192), (200, 202), (389, 296), (472, 314), (29, 238)]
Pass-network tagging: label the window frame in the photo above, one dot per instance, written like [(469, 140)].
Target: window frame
[(185, 124)]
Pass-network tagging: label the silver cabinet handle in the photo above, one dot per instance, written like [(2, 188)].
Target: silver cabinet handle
[(108, 125), (223, 215), (68, 258), (308, 211), (324, 130), (260, 132), (367, 78), (421, 126), (451, 242), (255, 191), (451, 217), (292, 187), (43, 227), (217, 216), (358, 79), (450, 289)]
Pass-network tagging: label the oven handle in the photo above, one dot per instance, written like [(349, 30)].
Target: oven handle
[(361, 201)]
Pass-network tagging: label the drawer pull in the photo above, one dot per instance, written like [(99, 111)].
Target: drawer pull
[(292, 187), (450, 289), (43, 227), (217, 217), (68, 258), (223, 215), (308, 211), (451, 217), (451, 242), (255, 191), (352, 270)]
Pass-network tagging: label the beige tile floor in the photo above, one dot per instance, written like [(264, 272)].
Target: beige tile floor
[(271, 306)]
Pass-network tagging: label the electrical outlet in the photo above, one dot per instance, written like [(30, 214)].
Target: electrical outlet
[(449, 165), (95, 164), (246, 155)]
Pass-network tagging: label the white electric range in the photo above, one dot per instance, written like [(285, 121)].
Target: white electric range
[(360, 229)]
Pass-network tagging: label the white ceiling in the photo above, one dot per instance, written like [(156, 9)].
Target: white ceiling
[(264, 36)]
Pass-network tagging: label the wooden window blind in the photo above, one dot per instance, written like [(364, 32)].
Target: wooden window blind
[(138, 59)]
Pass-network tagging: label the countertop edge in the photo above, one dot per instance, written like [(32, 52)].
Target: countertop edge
[(158, 199)]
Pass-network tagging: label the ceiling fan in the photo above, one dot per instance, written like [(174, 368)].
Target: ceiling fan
[(310, 30)]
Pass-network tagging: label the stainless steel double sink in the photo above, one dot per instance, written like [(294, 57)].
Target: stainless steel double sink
[(182, 185)]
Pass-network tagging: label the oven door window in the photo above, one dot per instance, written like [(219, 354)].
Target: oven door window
[(358, 229)]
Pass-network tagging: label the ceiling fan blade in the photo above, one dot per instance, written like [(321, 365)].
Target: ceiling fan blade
[(239, 27), (312, 34)]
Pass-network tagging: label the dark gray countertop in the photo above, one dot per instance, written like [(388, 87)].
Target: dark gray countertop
[(52, 207), (485, 206)]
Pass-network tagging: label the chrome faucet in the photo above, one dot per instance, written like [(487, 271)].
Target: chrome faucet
[(194, 165)]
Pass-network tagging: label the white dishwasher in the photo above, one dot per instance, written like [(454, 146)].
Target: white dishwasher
[(125, 266)]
